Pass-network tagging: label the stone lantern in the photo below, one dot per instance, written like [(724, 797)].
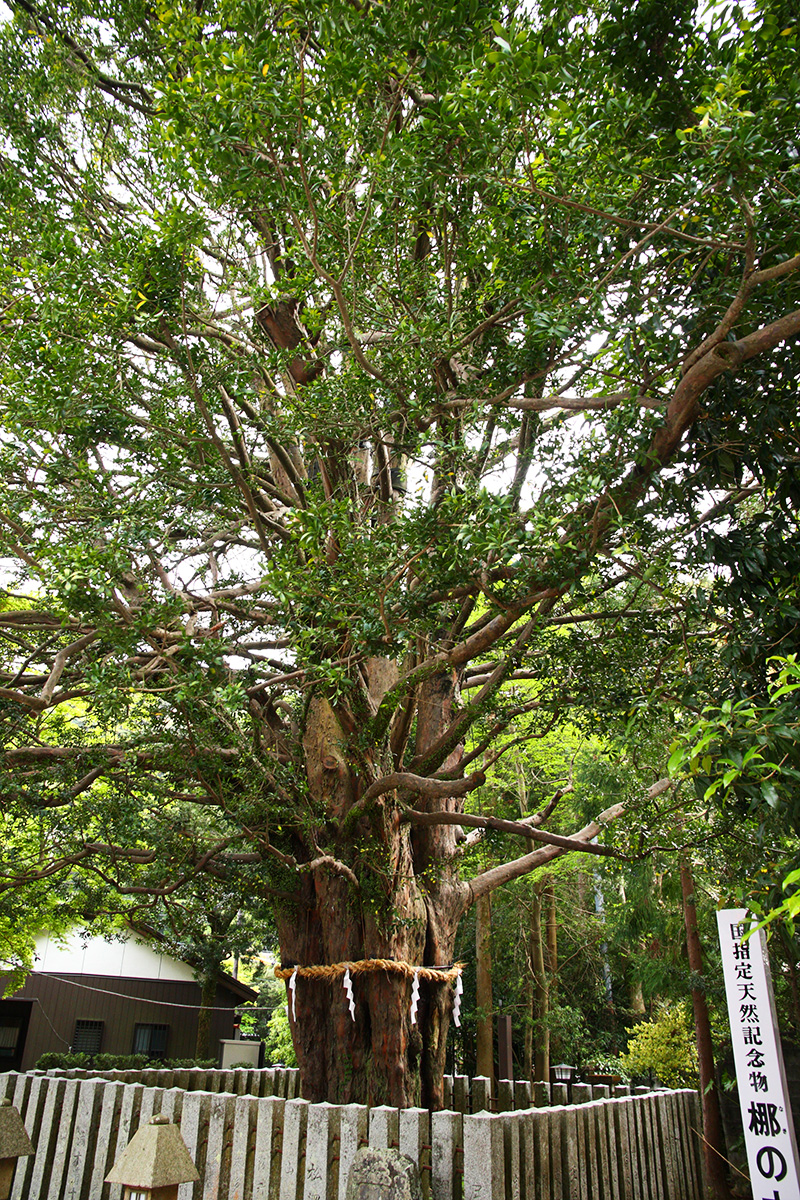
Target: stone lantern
[(14, 1144), (153, 1163)]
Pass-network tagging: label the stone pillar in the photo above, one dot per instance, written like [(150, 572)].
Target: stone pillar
[(510, 1125), (505, 1095), (322, 1162), (461, 1093), (84, 1135), (267, 1155), (32, 1116), (447, 1150), (353, 1133), (541, 1094), (295, 1128), (127, 1125), (581, 1093), (242, 1139), (195, 1117), (569, 1150), (216, 1176), (384, 1127), (447, 1092), (554, 1148), (587, 1151), (52, 1181), (415, 1141), (484, 1159), (621, 1089), (481, 1094), (522, 1094), (505, 1060), (559, 1094)]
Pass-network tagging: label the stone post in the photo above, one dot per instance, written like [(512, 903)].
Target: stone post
[(322, 1161), (481, 1094), (293, 1156), (384, 1128), (353, 1133), (484, 1159), (447, 1151)]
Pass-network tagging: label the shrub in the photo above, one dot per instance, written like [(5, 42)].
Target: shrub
[(279, 1048), (665, 1046)]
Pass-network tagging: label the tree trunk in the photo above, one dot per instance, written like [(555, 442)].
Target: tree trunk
[(530, 1013), (483, 971), (552, 938), (208, 998), (388, 893), (636, 996), (714, 1148), (541, 1068)]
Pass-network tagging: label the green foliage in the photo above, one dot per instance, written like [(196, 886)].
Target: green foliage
[(117, 1062), (353, 362), (278, 1046), (664, 1046)]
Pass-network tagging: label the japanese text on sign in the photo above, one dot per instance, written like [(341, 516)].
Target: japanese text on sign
[(760, 1076)]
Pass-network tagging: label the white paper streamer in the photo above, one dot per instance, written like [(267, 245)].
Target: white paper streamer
[(293, 993), (414, 997), (348, 988), (457, 1001)]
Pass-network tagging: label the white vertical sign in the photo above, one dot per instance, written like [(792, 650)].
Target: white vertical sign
[(760, 1076)]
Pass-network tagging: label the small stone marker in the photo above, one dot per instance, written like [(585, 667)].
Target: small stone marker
[(14, 1144), (383, 1175), (153, 1163)]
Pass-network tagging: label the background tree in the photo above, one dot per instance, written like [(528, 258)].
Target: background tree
[(351, 353)]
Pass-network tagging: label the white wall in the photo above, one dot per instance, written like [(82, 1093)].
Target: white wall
[(80, 955)]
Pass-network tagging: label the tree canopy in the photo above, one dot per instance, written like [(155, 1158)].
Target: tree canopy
[(374, 380)]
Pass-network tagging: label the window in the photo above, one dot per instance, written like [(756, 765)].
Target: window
[(9, 1035), (88, 1037), (150, 1040)]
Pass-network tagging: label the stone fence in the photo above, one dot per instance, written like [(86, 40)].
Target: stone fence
[(246, 1147), (461, 1094)]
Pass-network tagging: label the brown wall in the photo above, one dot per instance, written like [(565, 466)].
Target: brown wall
[(61, 1001)]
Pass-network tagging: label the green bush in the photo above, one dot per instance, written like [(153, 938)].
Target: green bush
[(118, 1062), (54, 1060), (207, 1064), (279, 1048), (665, 1046)]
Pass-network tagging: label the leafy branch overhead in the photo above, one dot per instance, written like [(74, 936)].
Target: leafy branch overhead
[(367, 372)]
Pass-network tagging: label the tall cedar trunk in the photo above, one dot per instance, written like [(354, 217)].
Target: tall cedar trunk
[(403, 902), (552, 939), (713, 1137), (542, 990), (208, 997), (483, 971)]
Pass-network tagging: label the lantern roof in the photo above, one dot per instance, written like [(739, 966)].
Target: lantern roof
[(14, 1140), (155, 1157)]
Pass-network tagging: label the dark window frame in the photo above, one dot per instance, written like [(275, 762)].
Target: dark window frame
[(154, 1043), (84, 1029)]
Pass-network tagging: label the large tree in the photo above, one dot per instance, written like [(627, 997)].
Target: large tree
[(350, 356)]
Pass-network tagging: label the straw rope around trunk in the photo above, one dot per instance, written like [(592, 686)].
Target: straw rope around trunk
[(368, 966)]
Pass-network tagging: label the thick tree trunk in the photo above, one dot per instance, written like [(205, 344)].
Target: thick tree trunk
[(384, 895), (208, 997), (483, 971), (541, 989), (713, 1137)]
